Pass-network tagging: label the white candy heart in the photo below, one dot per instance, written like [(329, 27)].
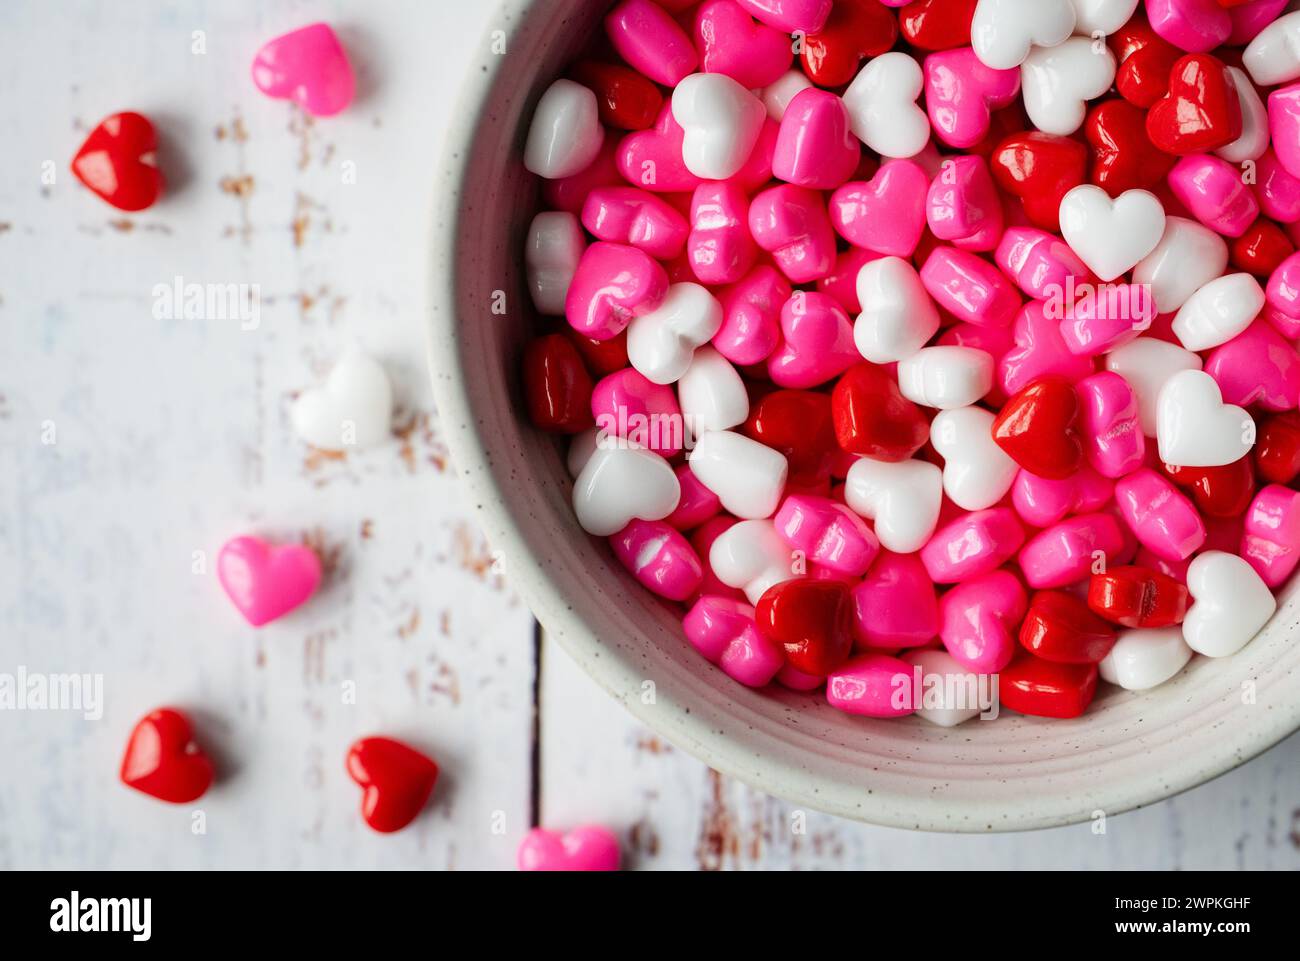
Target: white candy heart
[(946, 377), (1273, 57), (1092, 17), (902, 498), (721, 120), (898, 318), (1219, 311), (660, 344), (881, 102), (1004, 31), (565, 134), (1145, 657), (776, 96), (1254, 122), (711, 394), (1110, 236), (1187, 258), (619, 484), (949, 693), (354, 407), (1230, 604), (747, 476), (1058, 82), (977, 473), (1195, 428), (1147, 364), (751, 556), (555, 245)]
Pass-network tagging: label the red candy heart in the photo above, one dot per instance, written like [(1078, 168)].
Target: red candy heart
[(1040, 169), (602, 357), (1137, 597), (855, 29), (1277, 448), (812, 620), (1060, 627), (1145, 59), (798, 424), (872, 417), (1036, 428), (1200, 113), (626, 99), (397, 780), (557, 387), (1123, 157), (1042, 688), (117, 162), (1262, 248), (163, 760), (935, 25), (1218, 491)]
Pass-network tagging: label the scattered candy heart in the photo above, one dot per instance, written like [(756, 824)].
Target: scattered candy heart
[(163, 760), (118, 162), (354, 408), (396, 780), (309, 67), (266, 581), (588, 848), (724, 631)]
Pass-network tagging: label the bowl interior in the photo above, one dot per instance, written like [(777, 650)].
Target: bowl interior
[(1013, 773)]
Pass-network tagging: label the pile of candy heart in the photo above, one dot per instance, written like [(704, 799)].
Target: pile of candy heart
[(909, 343)]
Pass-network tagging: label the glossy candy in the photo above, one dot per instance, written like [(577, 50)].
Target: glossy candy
[(1039, 168), (902, 498), (1188, 256), (308, 66), (961, 93), (791, 224), (266, 581), (881, 102), (1163, 519), (1277, 449), (977, 473), (1147, 365), (1230, 603), (613, 284), (662, 341), (721, 122), (799, 424), (1217, 491), (969, 287), (1111, 236), (629, 406), (619, 484), (1212, 189), (163, 760), (752, 557), (553, 251), (747, 476), (557, 387), (648, 38), (895, 605), (963, 205), (812, 620), (1201, 112), (1137, 597), (587, 848), (728, 41), (396, 781), (352, 410), (1145, 658), (1042, 502), (829, 534), (886, 214), (946, 377), (1146, 60), (626, 100), (979, 618), (1039, 351), (565, 135), (1124, 157), (712, 394), (1058, 82), (1060, 627), (816, 342), (1004, 31), (1071, 549), (788, 16), (118, 161), (897, 316), (724, 631), (1271, 539), (1041, 688), (872, 685), (872, 416), (627, 215), (659, 557), (816, 147), (1042, 265), (972, 544), (1195, 428), (1036, 428), (943, 696), (854, 29)]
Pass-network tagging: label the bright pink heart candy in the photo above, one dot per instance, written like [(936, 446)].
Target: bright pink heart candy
[(730, 42), (627, 404), (842, 282), (980, 620), (961, 92), (872, 685), (1042, 502), (653, 158), (895, 605), (1161, 516), (1278, 190), (969, 287), (1042, 265), (1108, 413), (1284, 126), (1213, 191), (723, 630), (1257, 367), (647, 37), (1192, 25), (613, 284), (267, 581), (589, 848), (963, 205), (1040, 351), (751, 316), (790, 223), (790, 16), (659, 557), (309, 67), (972, 544), (1101, 318), (816, 147), (697, 503), (1283, 292), (638, 218), (1250, 17), (1270, 541), (885, 214), (828, 533), (1071, 549), (719, 248), (816, 342)]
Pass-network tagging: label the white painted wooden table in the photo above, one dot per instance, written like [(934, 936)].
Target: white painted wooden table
[(171, 435)]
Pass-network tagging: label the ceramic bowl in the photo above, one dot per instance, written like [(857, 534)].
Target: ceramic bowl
[(1016, 772)]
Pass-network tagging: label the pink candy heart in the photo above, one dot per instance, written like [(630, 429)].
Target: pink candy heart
[(590, 848), (817, 342), (1270, 540), (790, 223), (963, 205), (652, 158), (960, 92), (266, 581), (1212, 189), (626, 404), (613, 284), (1040, 350), (1107, 316), (1042, 264), (815, 146), (723, 630), (895, 605), (1257, 367), (719, 247), (1071, 549), (980, 618), (751, 316), (730, 42), (885, 214), (1043, 502), (1192, 25), (1112, 429), (658, 556), (635, 217), (969, 287), (1164, 520), (309, 67), (828, 533)]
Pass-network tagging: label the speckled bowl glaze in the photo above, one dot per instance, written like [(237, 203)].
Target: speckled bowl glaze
[(1014, 773)]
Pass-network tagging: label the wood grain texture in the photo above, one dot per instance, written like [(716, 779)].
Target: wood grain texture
[(173, 434)]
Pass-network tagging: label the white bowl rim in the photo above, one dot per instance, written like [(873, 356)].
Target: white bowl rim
[(690, 730)]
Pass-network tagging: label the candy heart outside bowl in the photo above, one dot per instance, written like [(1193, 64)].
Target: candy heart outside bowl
[(1127, 751)]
